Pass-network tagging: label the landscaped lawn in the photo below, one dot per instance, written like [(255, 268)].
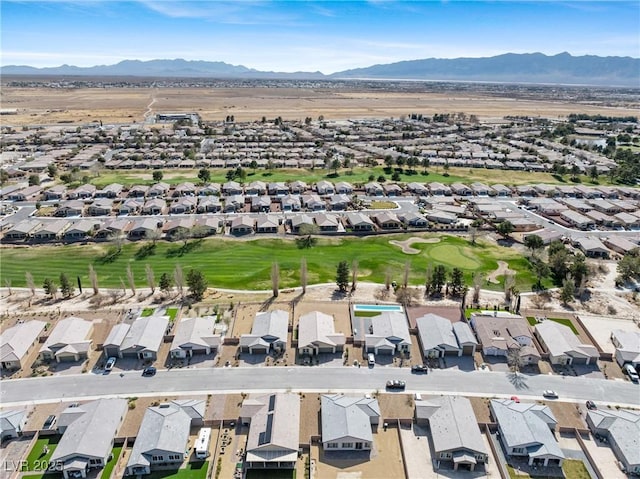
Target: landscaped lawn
[(172, 313), (247, 264), (147, 312), (108, 468), (195, 470), (572, 468), (566, 322), (36, 460)]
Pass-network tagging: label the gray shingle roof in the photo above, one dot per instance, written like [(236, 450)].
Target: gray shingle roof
[(70, 331), (560, 340), (344, 416), (453, 424), (436, 332), (164, 428), (90, 429), (526, 425), (146, 333), (624, 427)]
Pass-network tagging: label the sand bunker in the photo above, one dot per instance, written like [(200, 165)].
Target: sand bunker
[(503, 269), (406, 248)]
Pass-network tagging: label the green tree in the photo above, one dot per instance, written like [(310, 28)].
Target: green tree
[(166, 283), (4, 177), (593, 173), (533, 243), (157, 175), (505, 228), (439, 278), (342, 276), (307, 231), (196, 283), (629, 266), (52, 170), (456, 285), (567, 290), (50, 288), (204, 175), (579, 269), (335, 164), (66, 287), (34, 180), (540, 269)]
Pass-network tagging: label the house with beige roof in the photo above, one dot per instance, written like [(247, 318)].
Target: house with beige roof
[(70, 340), (563, 345), (316, 335), (195, 336), (17, 341), (499, 332)]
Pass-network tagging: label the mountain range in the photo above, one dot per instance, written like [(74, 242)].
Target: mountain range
[(537, 68)]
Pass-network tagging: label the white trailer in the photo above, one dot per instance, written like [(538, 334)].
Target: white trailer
[(202, 443)]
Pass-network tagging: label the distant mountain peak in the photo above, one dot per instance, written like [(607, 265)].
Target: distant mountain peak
[(562, 68)]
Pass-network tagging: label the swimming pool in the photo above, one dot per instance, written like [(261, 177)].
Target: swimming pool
[(378, 307)]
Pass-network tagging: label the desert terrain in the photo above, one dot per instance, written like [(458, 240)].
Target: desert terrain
[(44, 105)]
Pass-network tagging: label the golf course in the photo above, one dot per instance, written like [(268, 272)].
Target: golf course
[(247, 264)]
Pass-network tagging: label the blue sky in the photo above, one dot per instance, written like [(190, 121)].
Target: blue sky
[(309, 35)]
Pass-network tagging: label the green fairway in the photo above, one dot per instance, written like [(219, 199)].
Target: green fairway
[(247, 264), (356, 175)]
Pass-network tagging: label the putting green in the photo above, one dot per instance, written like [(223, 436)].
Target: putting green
[(453, 255)]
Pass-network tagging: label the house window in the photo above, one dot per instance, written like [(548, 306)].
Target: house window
[(157, 458), (332, 445), (518, 450), (347, 445)]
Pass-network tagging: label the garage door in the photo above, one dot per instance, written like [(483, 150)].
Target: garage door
[(468, 350), (325, 350), (259, 351)]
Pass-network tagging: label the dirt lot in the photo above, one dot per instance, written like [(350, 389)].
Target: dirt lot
[(339, 311), (568, 415), (115, 105), (396, 406), (310, 424), (384, 461)]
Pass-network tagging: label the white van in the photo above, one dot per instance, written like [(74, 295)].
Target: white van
[(631, 372), (371, 359)]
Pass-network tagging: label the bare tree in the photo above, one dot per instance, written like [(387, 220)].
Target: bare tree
[(153, 236), (515, 359), (428, 281), (131, 280), (7, 282), (151, 279), (178, 278), (93, 278), (477, 284), (387, 279), (540, 299), (30, 283), (123, 287), (407, 296), (354, 274), (473, 234), (405, 276), (509, 285), (275, 279), (303, 274)]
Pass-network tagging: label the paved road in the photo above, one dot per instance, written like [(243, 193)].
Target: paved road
[(316, 379)]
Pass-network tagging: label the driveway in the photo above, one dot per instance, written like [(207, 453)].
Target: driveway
[(604, 457), (417, 454)]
